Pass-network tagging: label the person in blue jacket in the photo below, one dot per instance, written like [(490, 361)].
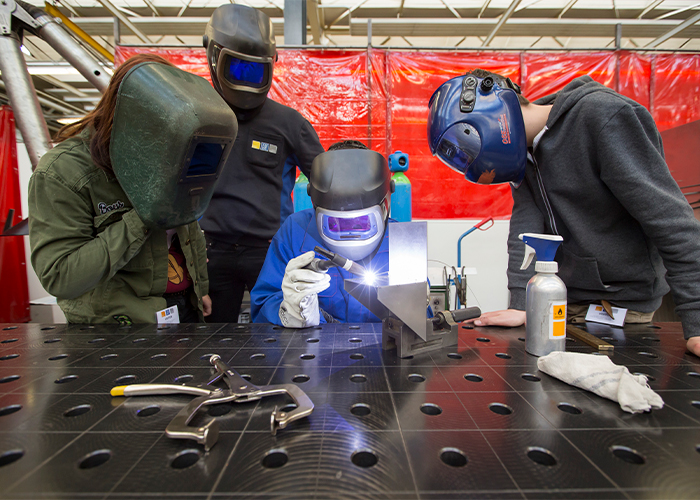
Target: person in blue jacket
[(350, 187)]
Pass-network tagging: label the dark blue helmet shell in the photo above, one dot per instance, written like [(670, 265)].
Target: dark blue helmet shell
[(476, 127)]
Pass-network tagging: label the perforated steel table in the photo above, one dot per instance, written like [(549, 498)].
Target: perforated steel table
[(473, 421)]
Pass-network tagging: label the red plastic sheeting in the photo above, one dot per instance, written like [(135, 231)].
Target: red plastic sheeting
[(14, 292), (381, 97)]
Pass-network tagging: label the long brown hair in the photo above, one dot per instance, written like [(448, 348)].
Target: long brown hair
[(100, 119)]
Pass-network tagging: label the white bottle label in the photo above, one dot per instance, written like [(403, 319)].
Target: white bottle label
[(557, 320)]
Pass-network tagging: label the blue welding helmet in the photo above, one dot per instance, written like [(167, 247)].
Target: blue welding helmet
[(476, 127)]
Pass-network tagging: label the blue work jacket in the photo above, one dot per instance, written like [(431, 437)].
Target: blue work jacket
[(298, 235)]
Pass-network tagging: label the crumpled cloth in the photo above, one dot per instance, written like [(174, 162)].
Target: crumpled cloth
[(601, 376)]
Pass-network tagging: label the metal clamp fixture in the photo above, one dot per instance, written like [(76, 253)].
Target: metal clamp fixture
[(239, 391)]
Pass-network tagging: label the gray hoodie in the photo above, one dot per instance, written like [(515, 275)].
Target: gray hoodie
[(603, 185)]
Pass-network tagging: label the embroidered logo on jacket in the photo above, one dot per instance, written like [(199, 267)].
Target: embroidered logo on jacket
[(104, 208), (265, 146), (505, 129)]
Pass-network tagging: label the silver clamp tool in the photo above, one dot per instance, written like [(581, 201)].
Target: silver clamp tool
[(239, 391)]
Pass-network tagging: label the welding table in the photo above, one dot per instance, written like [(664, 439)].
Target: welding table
[(475, 420)]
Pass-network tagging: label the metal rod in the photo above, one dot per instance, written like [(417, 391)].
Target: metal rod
[(23, 98), (79, 32)]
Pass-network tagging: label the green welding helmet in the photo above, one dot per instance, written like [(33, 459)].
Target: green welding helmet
[(171, 135)]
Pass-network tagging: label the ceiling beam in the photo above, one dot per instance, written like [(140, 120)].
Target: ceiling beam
[(315, 15), (674, 32), (501, 21), (120, 15), (652, 5)]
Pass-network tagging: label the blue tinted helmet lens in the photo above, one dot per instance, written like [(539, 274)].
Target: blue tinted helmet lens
[(459, 146), (338, 225), (359, 228), (244, 72)]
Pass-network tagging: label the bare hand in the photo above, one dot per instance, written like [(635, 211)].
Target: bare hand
[(206, 305), (693, 345), (508, 317)]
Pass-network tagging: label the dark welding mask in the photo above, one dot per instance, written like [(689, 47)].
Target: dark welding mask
[(350, 190), (241, 54), (171, 135), (476, 127)]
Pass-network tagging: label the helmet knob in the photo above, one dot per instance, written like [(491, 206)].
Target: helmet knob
[(487, 84)]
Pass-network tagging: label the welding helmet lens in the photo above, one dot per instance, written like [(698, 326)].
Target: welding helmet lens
[(354, 234), (459, 147), (242, 72)]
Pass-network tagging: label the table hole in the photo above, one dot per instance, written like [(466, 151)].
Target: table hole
[(147, 411), (9, 378), (650, 378), (652, 339), (407, 357), (483, 339), (274, 459), (206, 357), (58, 356), (627, 455), (186, 458), (353, 327), (500, 408), (312, 340), (430, 409), (503, 355), (416, 377), (364, 458), (9, 356), (695, 404), (697, 448), (468, 327), (107, 357), (65, 379), (569, 339), (269, 340), (160, 355), (247, 377), (317, 328), (10, 328), (288, 408), (277, 328), (454, 355), (541, 456), (306, 357), (569, 408), (8, 341), (521, 339), (52, 341), (77, 410), (219, 410), (357, 355), (163, 328), (91, 327), (241, 328), (9, 410), (185, 339), (690, 374), (140, 339), (202, 327), (355, 340), (125, 380), (258, 355), (48, 328), (358, 378), (95, 459), (10, 456), (301, 378), (360, 410), (654, 327), (453, 457), (473, 377), (183, 378), (530, 377), (648, 354), (226, 339), (95, 341)]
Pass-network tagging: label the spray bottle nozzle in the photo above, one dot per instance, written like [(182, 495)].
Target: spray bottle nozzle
[(544, 245)]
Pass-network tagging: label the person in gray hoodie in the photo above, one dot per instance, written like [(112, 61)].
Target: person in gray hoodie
[(587, 164)]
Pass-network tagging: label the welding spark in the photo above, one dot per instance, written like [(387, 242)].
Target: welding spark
[(370, 278)]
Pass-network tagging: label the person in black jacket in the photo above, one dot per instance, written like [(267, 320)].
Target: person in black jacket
[(252, 197), (587, 164)]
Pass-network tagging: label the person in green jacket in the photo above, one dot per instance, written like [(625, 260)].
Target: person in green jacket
[(90, 248)]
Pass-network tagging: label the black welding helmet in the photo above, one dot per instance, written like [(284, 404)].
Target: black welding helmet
[(170, 138), (351, 190), (241, 54)]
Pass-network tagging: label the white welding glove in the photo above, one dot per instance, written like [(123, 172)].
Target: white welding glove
[(600, 375), (300, 288)]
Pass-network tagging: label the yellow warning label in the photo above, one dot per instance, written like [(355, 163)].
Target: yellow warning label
[(559, 329), (256, 144), (558, 311), (598, 308)]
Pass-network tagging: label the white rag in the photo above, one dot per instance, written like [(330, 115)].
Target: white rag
[(600, 375)]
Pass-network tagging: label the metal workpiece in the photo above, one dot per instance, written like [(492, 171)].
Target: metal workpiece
[(471, 420)]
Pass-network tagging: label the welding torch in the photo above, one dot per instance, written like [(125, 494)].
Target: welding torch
[(334, 260)]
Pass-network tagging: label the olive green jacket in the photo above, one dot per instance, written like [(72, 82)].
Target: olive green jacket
[(90, 248)]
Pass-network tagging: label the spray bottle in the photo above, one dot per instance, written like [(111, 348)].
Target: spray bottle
[(545, 296)]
